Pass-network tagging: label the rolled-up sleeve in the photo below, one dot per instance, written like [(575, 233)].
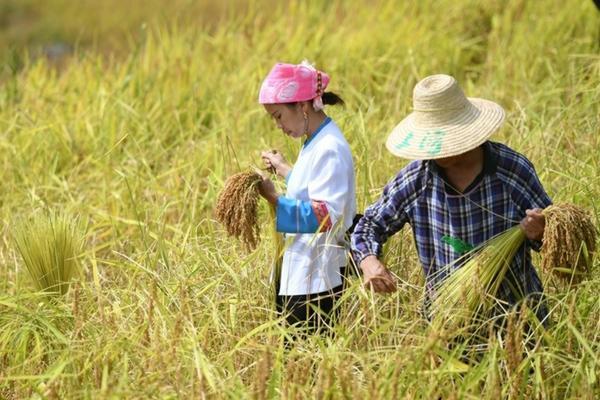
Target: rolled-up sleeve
[(295, 216), (528, 192), (382, 219)]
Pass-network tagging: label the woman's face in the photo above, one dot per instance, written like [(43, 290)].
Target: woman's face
[(290, 119)]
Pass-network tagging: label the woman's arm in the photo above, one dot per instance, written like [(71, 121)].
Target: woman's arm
[(267, 189), (295, 216)]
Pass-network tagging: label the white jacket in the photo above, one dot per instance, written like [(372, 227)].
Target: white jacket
[(323, 172)]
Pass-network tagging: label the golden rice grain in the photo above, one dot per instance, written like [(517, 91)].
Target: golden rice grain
[(236, 208), (569, 242)]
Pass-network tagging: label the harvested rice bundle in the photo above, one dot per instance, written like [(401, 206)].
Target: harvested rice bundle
[(236, 208), (569, 242), (470, 291), (49, 245)]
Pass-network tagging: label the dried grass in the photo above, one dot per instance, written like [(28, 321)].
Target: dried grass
[(236, 208), (569, 242)]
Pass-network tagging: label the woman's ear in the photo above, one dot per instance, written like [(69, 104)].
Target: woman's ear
[(304, 107)]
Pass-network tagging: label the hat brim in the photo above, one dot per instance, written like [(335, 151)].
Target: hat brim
[(467, 131)]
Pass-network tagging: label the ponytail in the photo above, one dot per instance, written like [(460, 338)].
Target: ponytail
[(330, 98)]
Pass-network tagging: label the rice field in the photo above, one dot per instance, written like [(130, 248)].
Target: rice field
[(136, 129)]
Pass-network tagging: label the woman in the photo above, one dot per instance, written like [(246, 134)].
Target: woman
[(320, 202)]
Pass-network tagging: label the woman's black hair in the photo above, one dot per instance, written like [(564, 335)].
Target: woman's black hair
[(329, 98), (332, 99)]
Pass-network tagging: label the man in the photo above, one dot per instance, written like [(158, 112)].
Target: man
[(460, 191)]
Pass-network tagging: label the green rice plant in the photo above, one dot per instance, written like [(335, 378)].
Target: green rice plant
[(471, 290), (49, 245)]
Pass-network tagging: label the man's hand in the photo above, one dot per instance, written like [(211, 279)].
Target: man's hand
[(377, 276), (534, 224)]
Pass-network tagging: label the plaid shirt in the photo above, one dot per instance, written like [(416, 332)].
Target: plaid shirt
[(494, 202)]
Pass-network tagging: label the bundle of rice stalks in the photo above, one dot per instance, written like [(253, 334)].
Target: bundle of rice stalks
[(470, 291), (49, 245), (236, 208), (569, 242)]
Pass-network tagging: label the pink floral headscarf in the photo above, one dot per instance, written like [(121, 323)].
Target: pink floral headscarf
[(290, 83)]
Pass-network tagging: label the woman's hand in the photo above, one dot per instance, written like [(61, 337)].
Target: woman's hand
[(267, 189), (377, 276), (534, 224), (274, 159)]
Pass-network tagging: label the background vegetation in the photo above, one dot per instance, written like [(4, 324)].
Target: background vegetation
[(131, 114)]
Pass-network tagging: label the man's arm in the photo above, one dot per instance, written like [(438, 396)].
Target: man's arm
[(382, 219)]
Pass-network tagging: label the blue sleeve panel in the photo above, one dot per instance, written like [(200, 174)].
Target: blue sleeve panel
[(295, 216)]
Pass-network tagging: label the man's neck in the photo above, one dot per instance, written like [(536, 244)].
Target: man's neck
[(461, 173)]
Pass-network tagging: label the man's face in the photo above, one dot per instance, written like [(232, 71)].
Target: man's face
[(448, 162)]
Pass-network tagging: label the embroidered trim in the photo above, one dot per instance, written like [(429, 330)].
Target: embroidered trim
[(319, 83), (322, 214)]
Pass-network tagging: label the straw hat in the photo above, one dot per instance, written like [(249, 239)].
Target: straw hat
[(444, 122)]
